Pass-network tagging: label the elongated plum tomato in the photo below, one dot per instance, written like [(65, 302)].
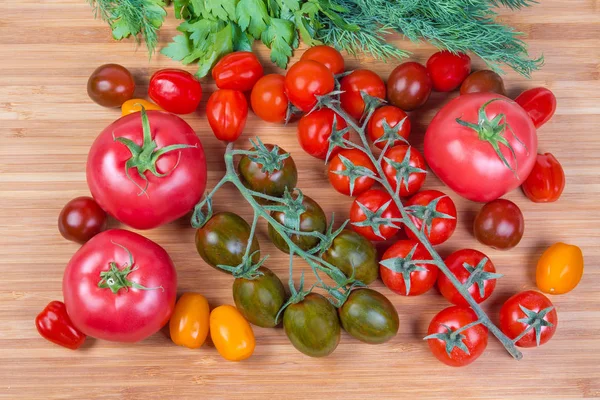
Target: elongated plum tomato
[(120, 286), (469, 145), (231, 334), (326, 55), (407, 164), (531, 311), (499, 224), (54, 325), (354, 255), (448, 70), (239, 70), (111, 85), (369, 203), (546, 181), (437, 211), (268, 99), (189, 322), (175, 90), (81, 219), (404, 277), (314, 131), (397, 122), (409, 86), (369, 316), (354, 85), (342, 165), (227, 111), (305, 80), (539, 103), (560, 269), (147, 169), (135, 105), (484, 81), (260, 299)]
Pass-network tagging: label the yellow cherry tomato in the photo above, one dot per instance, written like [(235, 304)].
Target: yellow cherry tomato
[(559, 269), (190, 321), (231, 334), (133, 106)]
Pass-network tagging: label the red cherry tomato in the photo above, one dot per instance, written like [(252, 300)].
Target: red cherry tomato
[(546, 181), (438, 227), (81, 219), (393, 116), (326, 55), (237, 71), (462, 263), (314, 130), (337, 172), (54, 324), (540, 104), (448, 70), (448, 321), (409, 86), (419, 277), (226, 111), (412, 169), (361, 80), (268, 98), (373, 200), (540, 313), (175, 90), (305, 80)]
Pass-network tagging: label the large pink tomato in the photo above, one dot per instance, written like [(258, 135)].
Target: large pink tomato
[(120, 286), (482, 145), (147, 169)]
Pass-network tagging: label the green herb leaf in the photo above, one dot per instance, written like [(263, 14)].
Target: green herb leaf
[(280, 36), (179, 48), (252, 16)]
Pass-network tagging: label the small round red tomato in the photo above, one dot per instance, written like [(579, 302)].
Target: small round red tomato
[(483, 82), (227, 111), (401, 275), (237, 71), (346, 172), (409, 86), (546, 181), (395, 118), (529, 316), (111, 85), (407, 164), (305, 80), (81, 219), (499, 224), (450, 342), (540, 104), (175, 90), (314, 130), (448, 70), (465, 265), (436, 211), (268, 99), (353, 85), (372, 201), (326, 55)]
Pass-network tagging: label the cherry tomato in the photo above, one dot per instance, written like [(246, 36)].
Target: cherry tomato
[(239, 70), (409, 86), (440, 221), (135, 105), (268, 99), (412, 171), (373, 200), (540, 104), (175, 90), (560, 269), (353, 85), (81, 219), (111, 85), (539, 319), (463, 264), (546, 181), (499, 224), (54, 325), (231, 334), (314, 130), (326, 55), (190, 320), (404, 277), (448, 70), (337, 171), (227, 111), (392, 116), (483, 82), (305, 80), (449, 347), (272, 183)]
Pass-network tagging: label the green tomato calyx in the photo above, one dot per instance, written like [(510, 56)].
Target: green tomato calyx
[(405, 266), (534, 320)]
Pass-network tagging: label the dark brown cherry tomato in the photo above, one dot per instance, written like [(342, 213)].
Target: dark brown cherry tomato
[(237, 71), (483, 82), (111, 85), (546, 181), (539, 103), (448, 70), (81, 219), (392, 116), (326, 55), (409, 86), (499, 224), (260, 299), (270, 183), (353, 85), (354, 255)]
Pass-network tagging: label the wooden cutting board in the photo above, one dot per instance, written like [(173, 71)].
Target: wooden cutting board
[(48, 49)]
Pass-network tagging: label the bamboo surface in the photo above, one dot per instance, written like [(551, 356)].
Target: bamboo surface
[(48, 49)]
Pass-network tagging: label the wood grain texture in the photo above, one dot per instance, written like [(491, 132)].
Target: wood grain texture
[(48, 48)]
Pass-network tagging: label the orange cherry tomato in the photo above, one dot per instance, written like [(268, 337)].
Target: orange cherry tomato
[(231, 334), (190, 320), (133, 106), (560, 268)]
